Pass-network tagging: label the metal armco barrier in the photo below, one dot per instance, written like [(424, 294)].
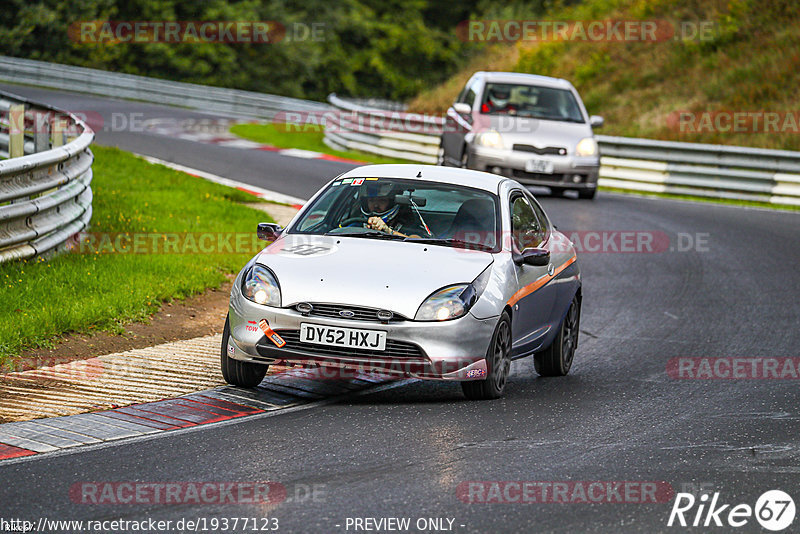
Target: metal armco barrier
[(228, 102), (718, 171), (45, 195), (645, 165), (352, 131)]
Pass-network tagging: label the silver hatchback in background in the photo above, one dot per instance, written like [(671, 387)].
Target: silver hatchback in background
[(534, 129)]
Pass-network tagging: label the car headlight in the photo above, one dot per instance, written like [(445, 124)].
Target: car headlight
[(586, 147), (490, 138), (261, 286), (453, 301)]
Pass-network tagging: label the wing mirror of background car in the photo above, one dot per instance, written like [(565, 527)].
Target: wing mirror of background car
[(403, 200), (538, 257), (462, 108), (268, 231), (596, 121)]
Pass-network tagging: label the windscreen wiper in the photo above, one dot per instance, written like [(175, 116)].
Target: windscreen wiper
[(370, 234), (451, 242)]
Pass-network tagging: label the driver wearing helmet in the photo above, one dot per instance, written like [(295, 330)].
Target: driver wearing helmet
[(384, 214), (498, 100)]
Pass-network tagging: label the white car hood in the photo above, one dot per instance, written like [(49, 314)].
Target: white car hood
[(375, 273)]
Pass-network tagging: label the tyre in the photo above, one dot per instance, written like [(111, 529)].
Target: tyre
[(588, 194), (557, 191), (238, 373), (498, 363), (556, 359)]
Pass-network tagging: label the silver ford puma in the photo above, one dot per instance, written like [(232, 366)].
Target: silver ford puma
[(411, 271)]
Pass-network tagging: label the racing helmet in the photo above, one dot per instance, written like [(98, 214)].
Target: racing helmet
[(499, 95), (379, 190)]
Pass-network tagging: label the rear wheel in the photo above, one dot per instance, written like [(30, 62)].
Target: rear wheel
[(498, 363), (238, 373), (556, 359)]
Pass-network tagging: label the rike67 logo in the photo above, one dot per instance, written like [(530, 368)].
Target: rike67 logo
[(774, 510)]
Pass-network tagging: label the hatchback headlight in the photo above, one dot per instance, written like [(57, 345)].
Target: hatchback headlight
[(261, 286), (490, 138), (453, 301), (586, 147)]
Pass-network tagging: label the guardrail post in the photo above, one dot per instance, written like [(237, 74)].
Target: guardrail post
[(41, 132), (16, 130), (59, 132)]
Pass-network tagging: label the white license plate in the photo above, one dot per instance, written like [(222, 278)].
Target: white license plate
[(353, 338), (542, 166)]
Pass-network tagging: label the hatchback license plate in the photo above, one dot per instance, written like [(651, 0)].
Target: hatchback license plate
[(541, 166), (343, 337)]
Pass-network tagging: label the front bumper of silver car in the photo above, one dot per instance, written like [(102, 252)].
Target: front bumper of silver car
[(569, 171), (448, 350)]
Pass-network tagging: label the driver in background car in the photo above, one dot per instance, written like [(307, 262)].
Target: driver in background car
[(385, 215), (498, 100)]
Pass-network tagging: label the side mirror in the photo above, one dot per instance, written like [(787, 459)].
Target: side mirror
[(462, 109), (596, 121), (268, 231), (538, 257)]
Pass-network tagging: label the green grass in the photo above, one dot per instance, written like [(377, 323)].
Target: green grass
[(80, 292), (305, 137)]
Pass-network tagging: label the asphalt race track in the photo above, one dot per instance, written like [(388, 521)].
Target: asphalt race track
[(619, 416)]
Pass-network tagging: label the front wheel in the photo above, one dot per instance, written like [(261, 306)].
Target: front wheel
[(587, 193), (498, 363), (239, 373), (556, 359)]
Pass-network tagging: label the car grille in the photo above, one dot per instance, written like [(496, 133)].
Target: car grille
[(551, 150), (394, 349), (359, 313), (519, 173)]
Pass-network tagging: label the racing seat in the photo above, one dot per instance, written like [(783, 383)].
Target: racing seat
[(474, 223)]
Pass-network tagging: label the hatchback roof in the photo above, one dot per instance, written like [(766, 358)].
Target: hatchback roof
[(519, 77), (430, 173)]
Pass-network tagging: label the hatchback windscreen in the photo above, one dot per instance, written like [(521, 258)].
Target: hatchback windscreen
[(431, 212), (531, 101)]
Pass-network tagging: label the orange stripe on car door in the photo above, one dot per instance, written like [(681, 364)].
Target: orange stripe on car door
[(539, 282)]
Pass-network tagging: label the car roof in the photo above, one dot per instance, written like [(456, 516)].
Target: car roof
[(519, 77), (430, 173)]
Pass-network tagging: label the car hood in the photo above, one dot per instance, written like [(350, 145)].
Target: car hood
[(390, 275), (540, 133)]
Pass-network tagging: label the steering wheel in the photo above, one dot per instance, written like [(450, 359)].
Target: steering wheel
[(353, 221)]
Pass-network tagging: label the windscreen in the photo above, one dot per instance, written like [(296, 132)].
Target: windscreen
[(417, 209), (531, 101)]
